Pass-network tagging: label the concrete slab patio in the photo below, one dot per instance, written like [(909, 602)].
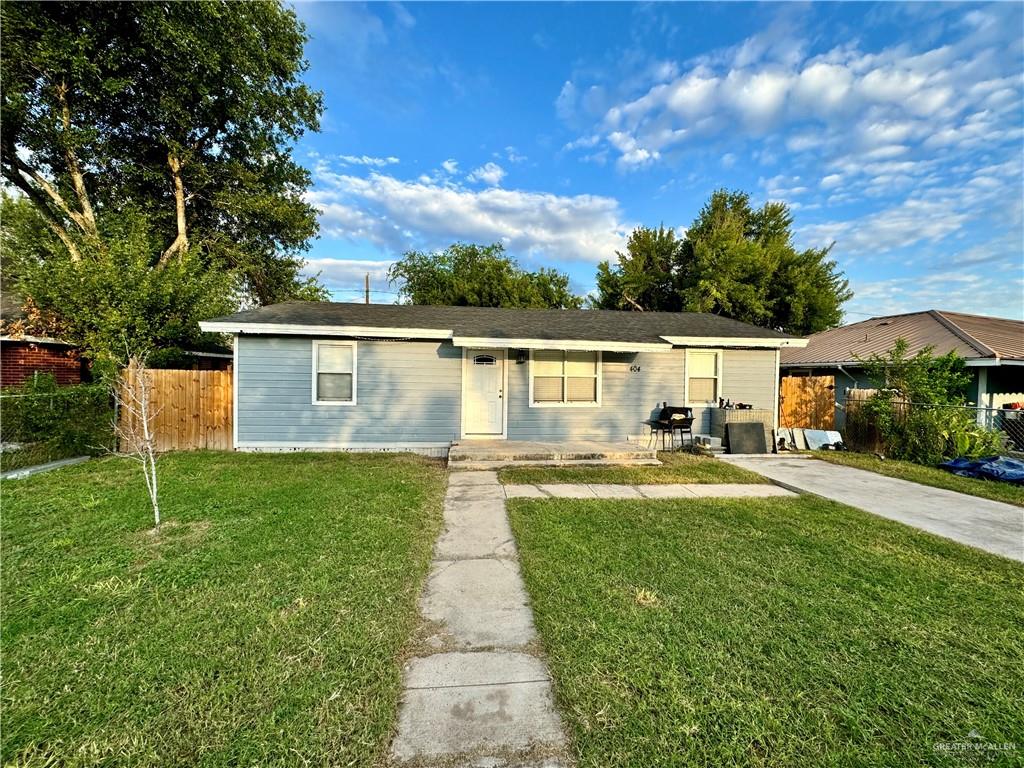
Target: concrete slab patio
[(485, 698), (989, 525)]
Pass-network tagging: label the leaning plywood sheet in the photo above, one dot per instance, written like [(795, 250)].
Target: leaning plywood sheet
[(799, 440), (746, 437), (816, 438), (833, 437)]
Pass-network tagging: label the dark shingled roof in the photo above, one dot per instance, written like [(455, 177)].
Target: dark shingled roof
[(487, 322)]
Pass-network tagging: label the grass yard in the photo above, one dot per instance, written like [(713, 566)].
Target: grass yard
[(676, 467), (905, 470), (771, 632), (262, 627)]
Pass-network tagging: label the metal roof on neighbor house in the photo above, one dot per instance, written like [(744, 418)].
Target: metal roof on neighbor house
[(589, 325), (973, 337)]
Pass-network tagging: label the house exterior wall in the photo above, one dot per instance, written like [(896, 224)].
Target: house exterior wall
[(628, 397), (19, 360), (406, 392), (409, 393)]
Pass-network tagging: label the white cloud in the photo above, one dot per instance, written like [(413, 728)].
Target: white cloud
[(782, 187), (348, 274), (513, 156), (373, 162), (831, 181), (450, 166), (959, 290), (583, 142), (396, 214), (908, 223), (489, 173), (844, 101), (565, 104)]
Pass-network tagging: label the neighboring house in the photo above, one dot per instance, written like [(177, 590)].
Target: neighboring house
[(373, 376), (992, 347), (22, 356)]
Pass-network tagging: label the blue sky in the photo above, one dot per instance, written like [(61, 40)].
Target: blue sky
[(894, 130)]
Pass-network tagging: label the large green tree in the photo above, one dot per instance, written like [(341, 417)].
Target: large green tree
[(645, 275), (478, 276), (173, 118), (735, 260)]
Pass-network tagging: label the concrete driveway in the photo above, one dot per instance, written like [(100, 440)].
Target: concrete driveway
[(989, 525)]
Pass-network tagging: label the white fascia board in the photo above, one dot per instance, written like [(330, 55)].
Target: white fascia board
[(709, 341), (560, 344), (991, 362), (37, 340), (289, 329)]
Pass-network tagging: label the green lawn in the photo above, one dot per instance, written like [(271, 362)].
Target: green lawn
[(939, 478), (676, 467), (770, 632), (263, 626)]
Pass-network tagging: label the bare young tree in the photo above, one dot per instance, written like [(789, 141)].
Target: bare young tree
[(133, 424)]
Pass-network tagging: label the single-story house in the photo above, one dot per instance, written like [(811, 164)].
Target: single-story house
[(334, 376), (992, 347)]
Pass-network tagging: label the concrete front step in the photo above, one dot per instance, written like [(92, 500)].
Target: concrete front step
[(500, 463), (512, 452)]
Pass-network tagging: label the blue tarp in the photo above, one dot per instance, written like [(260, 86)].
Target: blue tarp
[(990, 468)]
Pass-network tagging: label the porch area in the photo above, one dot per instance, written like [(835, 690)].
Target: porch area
[(492, 454)]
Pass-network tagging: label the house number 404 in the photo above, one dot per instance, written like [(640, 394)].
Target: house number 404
[(634, 369)]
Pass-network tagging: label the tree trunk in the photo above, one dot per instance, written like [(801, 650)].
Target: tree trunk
[(180, 242)]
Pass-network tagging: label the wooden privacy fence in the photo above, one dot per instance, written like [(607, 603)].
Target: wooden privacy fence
[(192, 408), (807, 402)]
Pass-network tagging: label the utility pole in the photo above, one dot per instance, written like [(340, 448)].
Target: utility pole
[(367, 287)]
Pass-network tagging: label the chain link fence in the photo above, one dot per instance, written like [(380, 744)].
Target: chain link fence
[(41, 421)]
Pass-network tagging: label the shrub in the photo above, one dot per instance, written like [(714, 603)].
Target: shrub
[(918, 412), (53, 422)]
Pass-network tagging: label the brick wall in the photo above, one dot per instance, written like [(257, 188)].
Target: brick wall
[(20, 359)]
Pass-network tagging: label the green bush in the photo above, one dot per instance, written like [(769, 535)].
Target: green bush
[(918, 412), (924, 434), (51, 422)]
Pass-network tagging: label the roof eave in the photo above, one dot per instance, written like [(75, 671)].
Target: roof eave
[(719, 341), (294, 329), (585, 345)]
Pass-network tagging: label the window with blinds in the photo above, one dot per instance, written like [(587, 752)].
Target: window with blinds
[(565, 378), (703, 375), (334, 373)]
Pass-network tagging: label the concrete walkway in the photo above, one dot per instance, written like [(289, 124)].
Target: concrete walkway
[(663, 491), (477, 695), (989, 525)]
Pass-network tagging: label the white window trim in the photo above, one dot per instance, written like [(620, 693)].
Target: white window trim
[(686, 377), (463, 434), (600, 384), (355, 372)]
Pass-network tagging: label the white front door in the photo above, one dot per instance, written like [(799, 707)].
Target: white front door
[(483, 406)]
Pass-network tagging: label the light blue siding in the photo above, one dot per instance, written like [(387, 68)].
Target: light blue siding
[(748, 376), (627, 399), (407, 392)]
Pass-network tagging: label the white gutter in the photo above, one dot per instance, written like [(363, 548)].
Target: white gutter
[(739, 341)]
